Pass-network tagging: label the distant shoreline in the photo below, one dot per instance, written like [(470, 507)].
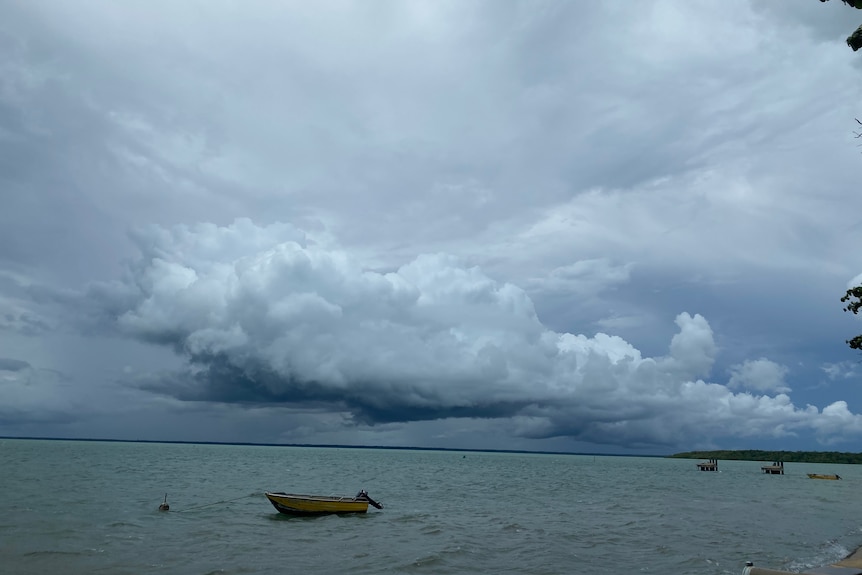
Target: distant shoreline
[(727, 455), (327, 446), (785, 456)]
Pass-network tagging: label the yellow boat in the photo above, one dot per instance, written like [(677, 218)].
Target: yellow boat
[(294, 504), (824, 476)]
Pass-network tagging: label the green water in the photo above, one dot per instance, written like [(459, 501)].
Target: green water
[(91, 507)]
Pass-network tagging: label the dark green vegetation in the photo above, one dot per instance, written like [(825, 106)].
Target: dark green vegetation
[(785, 456), (855, 39), (854, 296)]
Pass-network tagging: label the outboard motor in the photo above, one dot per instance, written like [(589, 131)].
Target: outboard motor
[(364, 496)]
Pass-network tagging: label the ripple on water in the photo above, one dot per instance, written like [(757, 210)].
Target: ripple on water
[(56, 553), (539, 513)]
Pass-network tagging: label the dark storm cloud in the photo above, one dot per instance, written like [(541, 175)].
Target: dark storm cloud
[(10, 364), (260, 319), (219, 379), (469, 188), (31, 397)]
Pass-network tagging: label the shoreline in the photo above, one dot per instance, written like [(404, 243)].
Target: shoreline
[(850, 565), (854, 560)]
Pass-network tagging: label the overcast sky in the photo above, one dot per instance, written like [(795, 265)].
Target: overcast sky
[(604, 227)]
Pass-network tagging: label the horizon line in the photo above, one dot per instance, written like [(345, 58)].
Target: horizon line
[(329, 446)]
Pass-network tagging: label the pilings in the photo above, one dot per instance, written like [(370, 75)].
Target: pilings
[(777, 468)]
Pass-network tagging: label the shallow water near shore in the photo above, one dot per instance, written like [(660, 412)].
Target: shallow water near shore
[(77, 507)]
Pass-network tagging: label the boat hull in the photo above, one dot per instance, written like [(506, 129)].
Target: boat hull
[(294, 504), (823, 476)]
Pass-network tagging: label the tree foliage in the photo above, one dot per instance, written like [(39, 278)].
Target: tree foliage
[(853, 299), (855, 39), (854, 295)]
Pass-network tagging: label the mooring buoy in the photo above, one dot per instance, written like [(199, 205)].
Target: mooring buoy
[(164, 506)]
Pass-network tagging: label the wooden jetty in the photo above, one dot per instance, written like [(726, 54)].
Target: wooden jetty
[(711, 465), (777, 468)]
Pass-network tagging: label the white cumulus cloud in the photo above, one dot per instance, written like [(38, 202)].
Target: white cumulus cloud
[(263, 315), (759, 375)]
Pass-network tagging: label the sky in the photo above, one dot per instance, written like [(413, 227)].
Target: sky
[(594, 227)]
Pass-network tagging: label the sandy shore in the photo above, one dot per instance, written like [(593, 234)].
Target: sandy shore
[(853, 560), (850, 565)]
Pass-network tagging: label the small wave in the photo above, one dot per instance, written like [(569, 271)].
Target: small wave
[(414, 518), (118, 524), (830, 553), (54, 553), (433, 560)]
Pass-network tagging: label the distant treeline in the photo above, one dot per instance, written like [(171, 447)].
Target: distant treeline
[(786, 456)]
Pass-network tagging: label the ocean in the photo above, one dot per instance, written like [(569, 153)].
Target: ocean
[(88, 507)]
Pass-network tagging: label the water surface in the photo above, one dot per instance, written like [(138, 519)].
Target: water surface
[(77, 507)]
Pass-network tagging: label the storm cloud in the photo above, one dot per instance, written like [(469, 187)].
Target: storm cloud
[(456, 223), (262, 314)]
